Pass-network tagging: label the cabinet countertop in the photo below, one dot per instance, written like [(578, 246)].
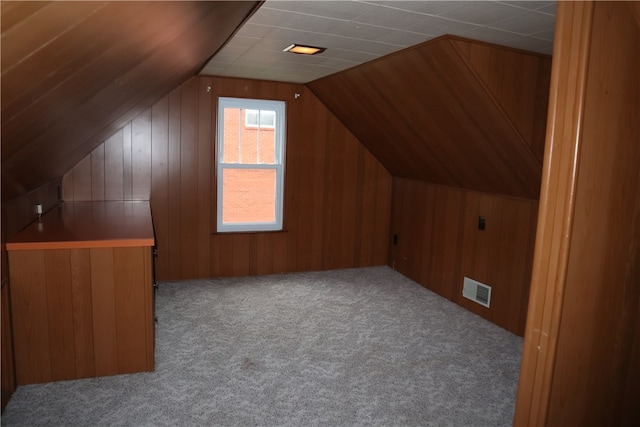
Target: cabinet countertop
[(72, 225)]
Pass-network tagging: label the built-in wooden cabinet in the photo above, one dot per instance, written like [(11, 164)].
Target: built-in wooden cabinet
[(82, 292)]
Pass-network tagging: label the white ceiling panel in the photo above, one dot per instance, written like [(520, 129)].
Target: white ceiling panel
[(358, 31), (482, 13), (526, 24)]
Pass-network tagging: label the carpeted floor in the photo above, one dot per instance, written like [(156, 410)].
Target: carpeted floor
[(338, 348)]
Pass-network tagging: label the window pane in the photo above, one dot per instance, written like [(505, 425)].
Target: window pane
[(248, 195), (248, 145), (266, 118), (232, 135)]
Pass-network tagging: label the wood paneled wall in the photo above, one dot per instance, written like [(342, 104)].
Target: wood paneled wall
[(581, 355), (337, 195), (439, 243)]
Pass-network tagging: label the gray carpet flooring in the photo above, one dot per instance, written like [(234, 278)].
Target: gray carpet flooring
[(337, 348)]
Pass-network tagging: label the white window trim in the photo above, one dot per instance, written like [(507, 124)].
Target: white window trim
[(280, 129)]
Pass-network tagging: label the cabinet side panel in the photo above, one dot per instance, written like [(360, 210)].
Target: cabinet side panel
[(129, 274), (147, 286)]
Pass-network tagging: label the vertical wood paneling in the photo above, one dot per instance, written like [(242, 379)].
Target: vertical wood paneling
[(60, 314), (104, 311), (205, 176), (160, 182), (188, 200), (82, 180), (173, 189), (129, 281), (97, 173), (439, 244), (81, 301), (337, 195), (30, 319), (141, 156), (81, 313), (149, 308), (113, 166), (127, 172)]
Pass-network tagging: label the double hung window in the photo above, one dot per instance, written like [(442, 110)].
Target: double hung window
[(250, 164)]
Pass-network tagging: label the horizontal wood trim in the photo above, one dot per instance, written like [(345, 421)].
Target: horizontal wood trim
[(119, 243)]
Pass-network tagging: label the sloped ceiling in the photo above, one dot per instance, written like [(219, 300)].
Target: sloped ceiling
[(75, 72), (449, 111)]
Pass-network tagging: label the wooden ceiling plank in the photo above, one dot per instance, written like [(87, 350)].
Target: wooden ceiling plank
[(160, 24), (61, 57), (42, 28), (510, 77), (57, 149), (16, 12), (436, 114)]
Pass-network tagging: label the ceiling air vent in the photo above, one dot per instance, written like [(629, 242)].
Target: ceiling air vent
[(476, 291)]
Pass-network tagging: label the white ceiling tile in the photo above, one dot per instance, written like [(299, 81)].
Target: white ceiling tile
[(528, 23), (404, 38), (549, 9), (379, 49), (491, 35), (425, 7), (389, 17), (300, 21), (544, 35), (338, 64), (529, 4), (482, 12), (349, 55), (232, 51), (271, 17), (253, 30), (436, 26), (362, 31), (282, 5), (242, 42), (343, 10)]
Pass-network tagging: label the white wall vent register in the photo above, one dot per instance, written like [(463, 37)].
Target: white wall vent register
[(476, 291)]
